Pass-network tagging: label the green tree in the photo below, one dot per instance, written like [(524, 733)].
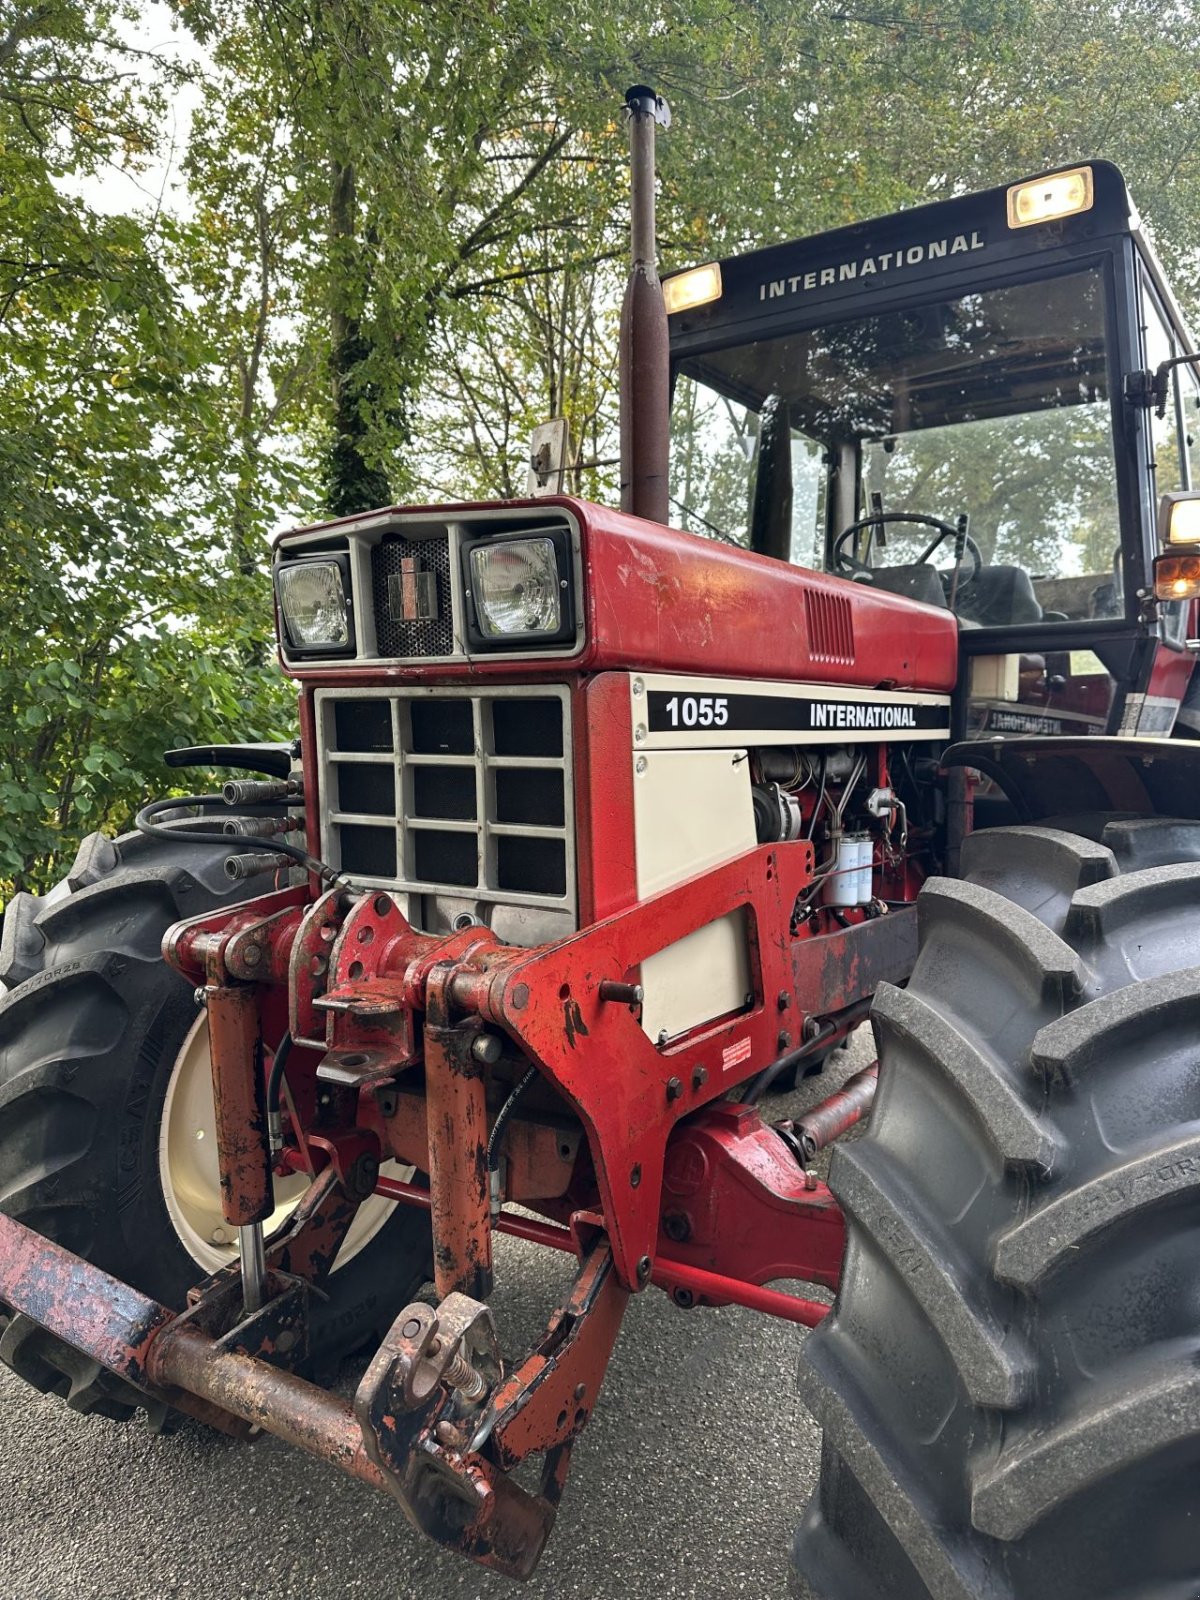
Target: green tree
[(119, 634)]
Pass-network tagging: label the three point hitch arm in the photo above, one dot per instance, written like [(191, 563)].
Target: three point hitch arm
[(678, 1185)]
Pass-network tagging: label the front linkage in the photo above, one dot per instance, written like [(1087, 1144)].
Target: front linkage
[(686, 1188)]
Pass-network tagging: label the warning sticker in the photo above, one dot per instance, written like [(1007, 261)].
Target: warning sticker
[(734, 1054)]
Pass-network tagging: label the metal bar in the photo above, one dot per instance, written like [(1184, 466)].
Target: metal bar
[(458, 1133), (240, 1103), (254, 1266), (667, 1273), (92, 1311), (546, 1233), (847, 1106), (298, 1412), (141, 1340), (643, 351)]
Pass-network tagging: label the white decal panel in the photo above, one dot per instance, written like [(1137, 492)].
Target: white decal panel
[(671, 713)]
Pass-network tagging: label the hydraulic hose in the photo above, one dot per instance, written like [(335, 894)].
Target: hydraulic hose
[(841, 1023), (144, 823), (497, 1134)]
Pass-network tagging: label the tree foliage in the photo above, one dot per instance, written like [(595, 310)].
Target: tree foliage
[(390, 243)]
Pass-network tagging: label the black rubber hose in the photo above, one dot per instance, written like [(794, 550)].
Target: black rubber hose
[(759, 1085), (275, 1079), (144, 824), (502, 1120)]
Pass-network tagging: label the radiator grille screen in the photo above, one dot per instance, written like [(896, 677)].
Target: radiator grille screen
[(393, 635), (452, 793)]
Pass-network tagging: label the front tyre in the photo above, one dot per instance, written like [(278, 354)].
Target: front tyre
[(106, 1141), (1009, 1386)]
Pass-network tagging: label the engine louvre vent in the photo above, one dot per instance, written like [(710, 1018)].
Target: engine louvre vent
[(451, 794), (393, 635), (830, 620)]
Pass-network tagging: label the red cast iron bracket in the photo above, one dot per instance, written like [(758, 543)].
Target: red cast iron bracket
[(628, 1090), (445, 1428)]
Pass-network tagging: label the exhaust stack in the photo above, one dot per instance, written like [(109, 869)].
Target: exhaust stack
[(644, 364)]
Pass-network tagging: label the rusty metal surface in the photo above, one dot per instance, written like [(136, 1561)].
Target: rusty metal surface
[(96, 1313), (547, 1400), (669, 1444), (239, 1103), (307, 1246), (147, 1345), (308, 966), (839, 1112), (540, 1153), (445, 1428), (418, 1438), (619, 1081), (458, 1136), (274, 1401), (834, 970)]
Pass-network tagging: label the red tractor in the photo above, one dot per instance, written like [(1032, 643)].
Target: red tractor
[(595, 829)]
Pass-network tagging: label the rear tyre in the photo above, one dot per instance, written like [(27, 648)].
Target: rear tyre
[(97, 1037), (1009, 1385)]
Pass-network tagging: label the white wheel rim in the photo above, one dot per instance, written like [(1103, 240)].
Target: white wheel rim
[(187, 1169)]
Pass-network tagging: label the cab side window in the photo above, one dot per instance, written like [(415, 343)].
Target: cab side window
[(1160, 345)]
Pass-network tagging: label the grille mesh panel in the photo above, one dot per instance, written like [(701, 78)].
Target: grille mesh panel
[(393, 636), (482, 793)]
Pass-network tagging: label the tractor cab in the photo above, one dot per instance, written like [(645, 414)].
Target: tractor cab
[(954, 404)]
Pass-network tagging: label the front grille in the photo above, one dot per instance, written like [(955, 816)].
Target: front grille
[(830, 627), (394, 636), (451, 793)]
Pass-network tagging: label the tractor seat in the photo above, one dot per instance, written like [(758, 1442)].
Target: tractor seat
[(999, 596), (915, 581)]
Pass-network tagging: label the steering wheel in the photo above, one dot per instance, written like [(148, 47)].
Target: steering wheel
[(850, 565)]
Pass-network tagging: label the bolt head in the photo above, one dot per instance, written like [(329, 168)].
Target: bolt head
[(783, 1040), (674, 1088), (699, 1077), (784, 1000), (643, 1269), (487, 1047), (411, 1328)]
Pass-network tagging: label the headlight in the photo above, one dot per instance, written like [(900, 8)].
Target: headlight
[(315, 607), (519, 590), (1179, 517)]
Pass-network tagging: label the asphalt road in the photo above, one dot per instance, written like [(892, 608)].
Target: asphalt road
[(686, 1485)]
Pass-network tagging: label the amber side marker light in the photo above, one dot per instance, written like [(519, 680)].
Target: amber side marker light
[(1059, 194), (1177, 577)]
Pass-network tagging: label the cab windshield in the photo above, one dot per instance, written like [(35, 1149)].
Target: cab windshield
[(988, 413)]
